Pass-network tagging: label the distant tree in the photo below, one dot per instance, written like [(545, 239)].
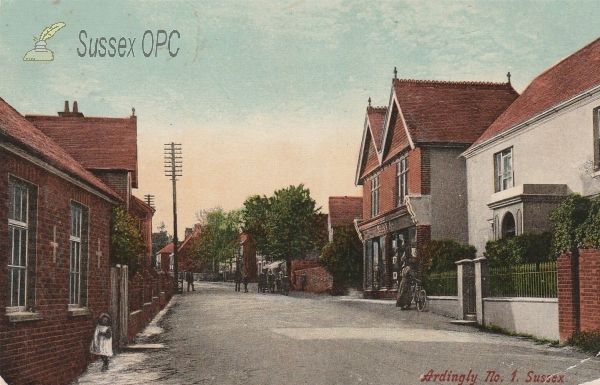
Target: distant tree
[(160, 239), (218, 240), (254, 217), (343, 258), (286, 225), (126, 241)]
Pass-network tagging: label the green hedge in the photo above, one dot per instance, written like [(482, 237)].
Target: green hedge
[(521, 249)]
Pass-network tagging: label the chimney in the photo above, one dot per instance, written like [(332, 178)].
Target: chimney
[(67, 113)]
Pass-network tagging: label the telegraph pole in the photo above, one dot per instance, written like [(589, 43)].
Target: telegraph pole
[(149, 199), (173, 169)]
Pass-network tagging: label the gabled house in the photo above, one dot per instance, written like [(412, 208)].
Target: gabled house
[(413, 178), (54, 234), (543, 147), (343, 210), (106, 147)]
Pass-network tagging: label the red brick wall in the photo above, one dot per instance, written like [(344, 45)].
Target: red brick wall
[(568, 295), (318, 280), (116, 180), (387, 188), (55, 349), (419, 171), (367, 200), (589, 289)]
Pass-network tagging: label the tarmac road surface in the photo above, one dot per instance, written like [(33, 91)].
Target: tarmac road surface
[(218, 336)]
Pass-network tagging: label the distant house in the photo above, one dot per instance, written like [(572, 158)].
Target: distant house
[(164, 259), (107, 147), (54, 233), (413, 178), (543, 147), (343, 210)]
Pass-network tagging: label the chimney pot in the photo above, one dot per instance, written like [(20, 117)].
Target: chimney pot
[(66, 106), (75, 110)]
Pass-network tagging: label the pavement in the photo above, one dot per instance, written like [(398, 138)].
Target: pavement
[(219, 336)]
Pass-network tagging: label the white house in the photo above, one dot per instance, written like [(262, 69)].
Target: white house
[(543, 147)]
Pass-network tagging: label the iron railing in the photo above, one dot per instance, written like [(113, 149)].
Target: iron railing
[(529, 280), (441, 283)]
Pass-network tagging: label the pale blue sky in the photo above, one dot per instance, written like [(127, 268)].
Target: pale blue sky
[(264, 94)]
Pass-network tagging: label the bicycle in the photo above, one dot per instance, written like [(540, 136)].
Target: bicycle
[(418, 295)]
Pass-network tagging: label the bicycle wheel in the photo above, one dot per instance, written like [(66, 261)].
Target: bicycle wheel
[(421, 300)]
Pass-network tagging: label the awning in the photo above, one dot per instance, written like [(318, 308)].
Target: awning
[(274, 265)]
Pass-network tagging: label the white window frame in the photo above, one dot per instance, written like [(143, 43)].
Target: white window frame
[(21, 225), (401, 180), (75, 255), (375, 196), (504, 174)]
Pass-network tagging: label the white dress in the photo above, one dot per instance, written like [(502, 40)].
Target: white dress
[(101, 344)]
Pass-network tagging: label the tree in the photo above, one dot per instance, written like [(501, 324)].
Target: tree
[(126, 241), (160, 239), (218, 238), (285, 225), (343, 258)]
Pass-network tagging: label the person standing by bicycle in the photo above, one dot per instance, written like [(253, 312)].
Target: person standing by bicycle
[(407, 275)]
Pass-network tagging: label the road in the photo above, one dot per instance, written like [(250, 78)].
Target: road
[(218, 336)]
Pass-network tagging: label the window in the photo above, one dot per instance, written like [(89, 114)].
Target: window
[(503, 163), (508, 226), (18, 236), (375, 196), (401, 180), (78, 256)]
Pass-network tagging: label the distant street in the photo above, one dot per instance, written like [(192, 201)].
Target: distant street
[(215, 335)]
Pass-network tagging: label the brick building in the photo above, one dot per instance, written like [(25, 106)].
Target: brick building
[(54, 225), (413, 178), (114, 162), (343, 210)]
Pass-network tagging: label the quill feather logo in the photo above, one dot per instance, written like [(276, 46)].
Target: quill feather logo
[(40, 52)]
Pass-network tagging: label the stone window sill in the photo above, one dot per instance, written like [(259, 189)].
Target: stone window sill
[(23, 316), (78, 311)]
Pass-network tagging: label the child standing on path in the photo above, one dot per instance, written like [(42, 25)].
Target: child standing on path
[(102, 342)]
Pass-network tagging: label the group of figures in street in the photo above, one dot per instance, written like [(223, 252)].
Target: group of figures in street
[(272, 282), (240, 278)]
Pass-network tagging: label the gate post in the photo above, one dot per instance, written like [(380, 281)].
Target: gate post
[(124, 305), (115, 276), (464, 277), (482, 286)]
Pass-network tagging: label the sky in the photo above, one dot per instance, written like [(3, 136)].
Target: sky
[(266, 94)]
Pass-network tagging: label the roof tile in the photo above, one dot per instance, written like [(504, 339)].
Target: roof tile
[(18, 130), (569, 77)]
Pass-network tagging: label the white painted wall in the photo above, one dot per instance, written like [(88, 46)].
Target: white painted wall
[(556, 150), (444, 305), (535, 316)]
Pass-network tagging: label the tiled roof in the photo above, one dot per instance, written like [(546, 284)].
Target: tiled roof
[(376, 116), (567, 78), (451, 112), (97, 143), (344, 210), (167, 249), (15, 128)]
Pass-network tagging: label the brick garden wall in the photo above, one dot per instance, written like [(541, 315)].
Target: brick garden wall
[(318, 280), (149, 292), (54, 349), (578, 292)]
